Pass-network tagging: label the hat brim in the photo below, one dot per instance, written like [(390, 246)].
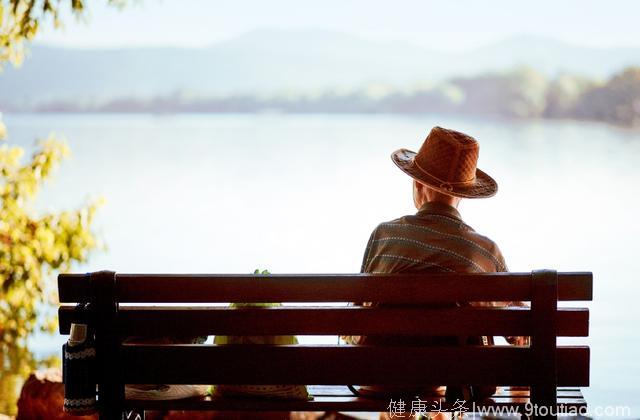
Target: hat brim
[(482, 187)]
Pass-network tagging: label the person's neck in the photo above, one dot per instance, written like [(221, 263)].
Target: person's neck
[(439, 207), (451, 203)]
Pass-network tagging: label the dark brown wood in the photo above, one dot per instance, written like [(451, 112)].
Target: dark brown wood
[(260, 364), (331, 398), (416, 288), (542, 367), (167, 320), (105, 308), (544, 304)]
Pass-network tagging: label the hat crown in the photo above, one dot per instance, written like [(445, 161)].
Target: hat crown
[(449, 155)]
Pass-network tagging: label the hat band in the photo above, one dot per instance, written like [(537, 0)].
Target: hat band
[(446, 185)]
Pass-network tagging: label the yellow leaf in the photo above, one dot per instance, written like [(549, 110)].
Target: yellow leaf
[(3, 131)]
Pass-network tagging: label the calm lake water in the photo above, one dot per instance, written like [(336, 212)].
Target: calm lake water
[(301, 193)]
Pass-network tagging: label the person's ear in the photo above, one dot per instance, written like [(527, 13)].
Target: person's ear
[(418, 194), (427, 193)]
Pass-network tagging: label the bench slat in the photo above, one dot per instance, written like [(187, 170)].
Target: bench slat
[(416, 288), (325, 401), (238, 364), (502, 392), (168, 321)]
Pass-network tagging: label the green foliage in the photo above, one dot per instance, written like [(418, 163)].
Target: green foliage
[(20, 21), (33, 247)]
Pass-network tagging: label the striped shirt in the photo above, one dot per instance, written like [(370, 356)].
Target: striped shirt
[(435, 239)]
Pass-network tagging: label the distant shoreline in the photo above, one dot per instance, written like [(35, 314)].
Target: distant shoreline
[(520, 94), (153, 113)]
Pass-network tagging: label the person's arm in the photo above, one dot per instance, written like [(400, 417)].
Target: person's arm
[(365, 263), (502, 267), (511, 339)]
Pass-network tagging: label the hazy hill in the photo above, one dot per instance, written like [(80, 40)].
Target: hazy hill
[(269, 61)]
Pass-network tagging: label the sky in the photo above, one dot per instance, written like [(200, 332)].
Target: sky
[(451, 25)]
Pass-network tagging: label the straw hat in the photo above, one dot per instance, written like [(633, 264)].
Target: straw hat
[(447, 162)]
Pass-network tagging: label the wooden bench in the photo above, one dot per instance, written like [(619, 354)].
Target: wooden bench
[(551, 373)]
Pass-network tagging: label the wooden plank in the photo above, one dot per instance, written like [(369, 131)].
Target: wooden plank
[(575, 286), (395, 288), (326, 403), (266, 364), (501, 393), (170, 321), (74, 288)]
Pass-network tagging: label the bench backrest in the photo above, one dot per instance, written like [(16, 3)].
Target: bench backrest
[(543, 366)]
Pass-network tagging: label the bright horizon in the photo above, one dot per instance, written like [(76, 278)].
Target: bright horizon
[(437, 25)]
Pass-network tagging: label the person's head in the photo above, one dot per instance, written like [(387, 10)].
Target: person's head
[(423, 194), (444, 169)]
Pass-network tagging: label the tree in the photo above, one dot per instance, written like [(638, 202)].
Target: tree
[(519, 93), (617, 101), (565, 92), (20, 21), (33, 247)]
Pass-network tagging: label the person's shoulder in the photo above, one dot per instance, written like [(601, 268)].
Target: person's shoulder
[(491, 246), (482, 238), (393, 225), (408, 219)]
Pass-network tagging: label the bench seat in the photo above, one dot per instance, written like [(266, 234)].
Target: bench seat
[(340, 398)]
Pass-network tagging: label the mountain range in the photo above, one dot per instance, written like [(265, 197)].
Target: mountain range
[(266, 62)]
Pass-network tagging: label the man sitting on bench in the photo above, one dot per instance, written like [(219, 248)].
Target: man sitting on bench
[(435, 239)]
